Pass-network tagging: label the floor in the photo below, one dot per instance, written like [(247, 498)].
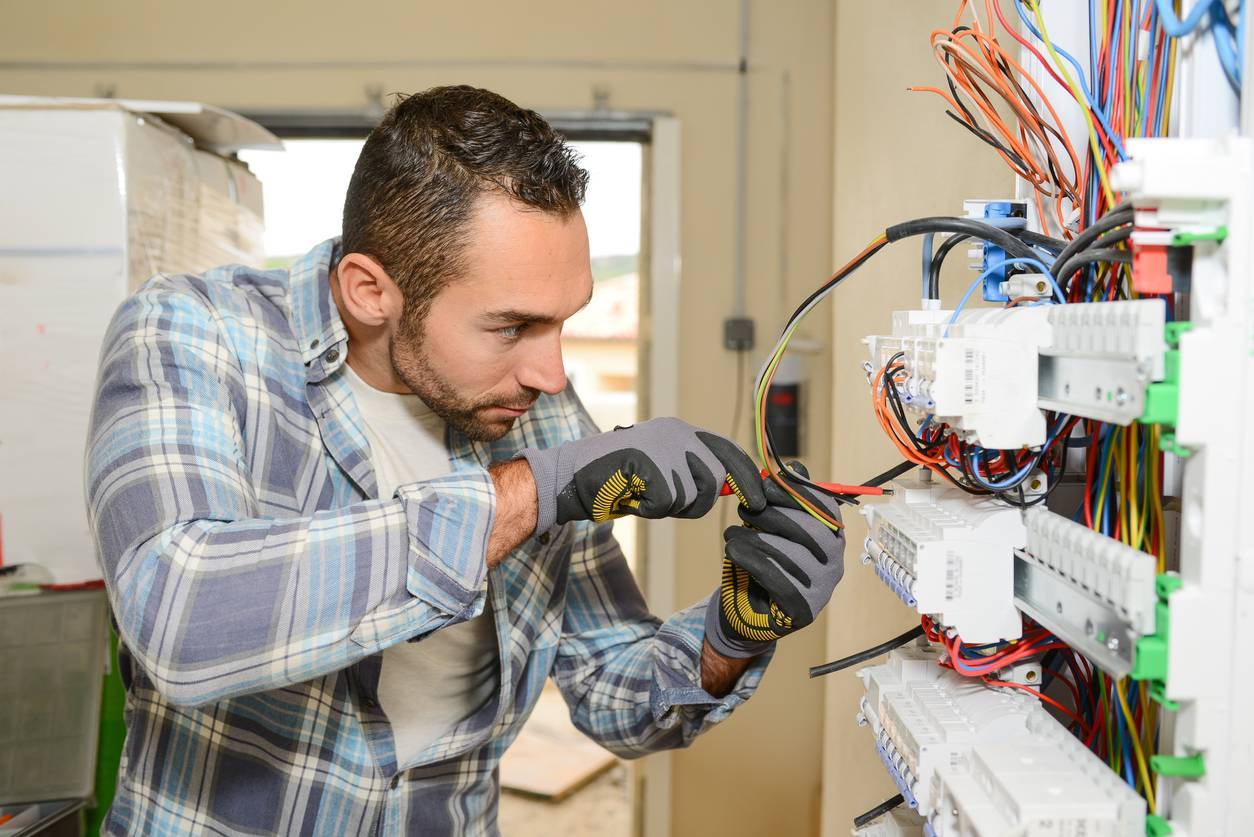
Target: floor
[(556, 782), (599, 809)]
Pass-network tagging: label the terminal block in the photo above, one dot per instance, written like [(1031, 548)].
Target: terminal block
[(1102, 357), (977, 374), (976, 760), (949, 555), (1044, 783), (990, 373), (1093, 592)]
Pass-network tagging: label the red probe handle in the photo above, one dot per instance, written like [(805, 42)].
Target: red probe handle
[(834, 487)]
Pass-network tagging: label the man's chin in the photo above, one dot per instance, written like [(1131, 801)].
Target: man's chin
[(481, 429)]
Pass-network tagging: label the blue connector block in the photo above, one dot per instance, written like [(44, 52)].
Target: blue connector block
[(994, 256), (928, 831), (894, 585), (898, 779)]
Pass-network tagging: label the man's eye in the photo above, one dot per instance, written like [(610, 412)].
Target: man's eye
[(511, 332)]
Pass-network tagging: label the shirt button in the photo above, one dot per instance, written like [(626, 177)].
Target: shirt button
[(544, 539), (332, 355), (315, 344), (370, 703), (396, 780)]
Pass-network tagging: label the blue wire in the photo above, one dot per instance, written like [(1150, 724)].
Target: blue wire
[(980, 281), (1221, 29), (1177, 28), (1084, 88)]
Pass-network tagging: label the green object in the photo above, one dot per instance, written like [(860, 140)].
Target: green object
[(1173, 330), (1162, 398), (109, 742), (1186, 767), (1156, 826), (1181, 239), (1150, 662)]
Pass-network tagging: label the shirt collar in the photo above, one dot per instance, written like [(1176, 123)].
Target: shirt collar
[(315, 319)]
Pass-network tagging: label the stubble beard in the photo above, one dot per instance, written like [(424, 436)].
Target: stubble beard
[(412, 364)]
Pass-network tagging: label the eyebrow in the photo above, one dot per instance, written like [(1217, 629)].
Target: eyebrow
[(512, 315)]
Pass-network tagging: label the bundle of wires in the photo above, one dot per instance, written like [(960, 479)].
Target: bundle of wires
[(770, 460), (1125, 90), (984, 80), (1114, 723)]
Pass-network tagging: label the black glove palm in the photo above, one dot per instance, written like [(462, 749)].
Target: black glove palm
[(779, 571)]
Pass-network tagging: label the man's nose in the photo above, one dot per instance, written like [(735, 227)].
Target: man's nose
[(544, 368)]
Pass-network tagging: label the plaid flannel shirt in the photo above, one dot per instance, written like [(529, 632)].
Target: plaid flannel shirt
[(255, 576)]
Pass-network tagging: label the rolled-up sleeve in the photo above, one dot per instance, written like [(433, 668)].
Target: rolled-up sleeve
[(215, 600), (632, 681)]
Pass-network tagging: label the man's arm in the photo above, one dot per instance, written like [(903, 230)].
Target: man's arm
[(718, 673), (515, 508), (216, 601)]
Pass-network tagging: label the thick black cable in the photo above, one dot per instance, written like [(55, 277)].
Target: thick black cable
[(1110, 239), (976, 229), (1043, 241), (868, 654), (1085, 257), (1117, 217), (878, 811), (938, 259)]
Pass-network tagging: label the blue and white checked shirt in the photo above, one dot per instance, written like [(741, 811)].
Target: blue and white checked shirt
[(255, 576)]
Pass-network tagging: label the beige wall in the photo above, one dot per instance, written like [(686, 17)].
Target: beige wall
[(897, 157), (657, 55)]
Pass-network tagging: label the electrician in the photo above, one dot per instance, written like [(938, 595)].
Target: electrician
[(351, 516)]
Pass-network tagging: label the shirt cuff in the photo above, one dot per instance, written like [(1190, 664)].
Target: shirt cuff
[(676, 696), (449, 520)]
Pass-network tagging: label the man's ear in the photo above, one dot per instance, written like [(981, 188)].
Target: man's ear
[(366, 290)]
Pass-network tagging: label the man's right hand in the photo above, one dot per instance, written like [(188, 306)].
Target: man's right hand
[(659, 468)]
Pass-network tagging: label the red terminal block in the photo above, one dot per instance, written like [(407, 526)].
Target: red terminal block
[(1149, 261)]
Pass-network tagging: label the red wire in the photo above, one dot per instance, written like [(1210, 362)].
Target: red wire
[(1036, 693)]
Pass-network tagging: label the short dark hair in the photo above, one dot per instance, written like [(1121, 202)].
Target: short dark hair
[(414, 187)]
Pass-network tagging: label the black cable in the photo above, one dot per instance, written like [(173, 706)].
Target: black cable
[(1043, 241), (976, 229), (878, 811), (868, 654), (1117, 217), (1112, 238), (938, 259), (891, 474), (1064, 270)]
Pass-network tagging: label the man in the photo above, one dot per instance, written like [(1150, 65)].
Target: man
[(351, 517)]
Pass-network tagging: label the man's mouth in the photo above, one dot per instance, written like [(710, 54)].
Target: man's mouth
[(513, 412)]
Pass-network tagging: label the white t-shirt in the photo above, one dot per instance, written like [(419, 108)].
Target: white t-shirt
[(425, 687)]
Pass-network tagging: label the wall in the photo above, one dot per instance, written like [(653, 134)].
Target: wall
[(897, 156), (650, 55)]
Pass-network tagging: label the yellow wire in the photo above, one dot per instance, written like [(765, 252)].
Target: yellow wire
[(1136, 747), (1098, 160)]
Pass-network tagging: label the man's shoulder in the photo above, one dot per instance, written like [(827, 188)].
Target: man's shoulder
[(231, 289)]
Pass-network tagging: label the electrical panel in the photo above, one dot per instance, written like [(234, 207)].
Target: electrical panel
[(991, 374), (980, 760), (948, 557), (1077, 546)]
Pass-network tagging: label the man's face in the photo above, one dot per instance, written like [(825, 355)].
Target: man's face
[(491, 341)]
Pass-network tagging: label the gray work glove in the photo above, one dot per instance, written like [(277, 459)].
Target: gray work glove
[(659, 468), (779, 571)]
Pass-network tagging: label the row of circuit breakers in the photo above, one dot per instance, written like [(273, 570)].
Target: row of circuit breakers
[(969, 759)]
